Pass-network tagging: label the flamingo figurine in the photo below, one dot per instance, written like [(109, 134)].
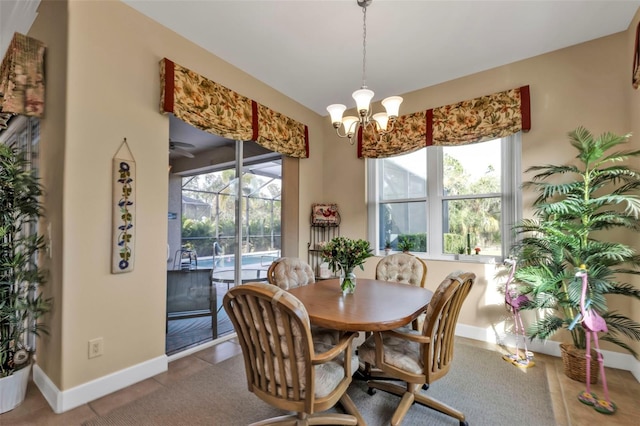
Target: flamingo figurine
[(592, 323), (514, 302)]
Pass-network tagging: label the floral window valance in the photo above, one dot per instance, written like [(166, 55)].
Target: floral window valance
[(409, 134), (475, 120), (22, 77), (480, 119), (273, 128), (213, 108)]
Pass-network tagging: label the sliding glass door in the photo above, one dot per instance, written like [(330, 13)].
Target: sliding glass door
[(229, 223)]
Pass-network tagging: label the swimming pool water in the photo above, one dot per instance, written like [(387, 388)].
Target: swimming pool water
[(262, 258)]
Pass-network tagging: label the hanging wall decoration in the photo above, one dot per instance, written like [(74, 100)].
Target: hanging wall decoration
[(325, 214), (124, 210)]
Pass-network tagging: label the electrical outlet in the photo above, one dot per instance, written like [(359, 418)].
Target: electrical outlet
[(96, 347)]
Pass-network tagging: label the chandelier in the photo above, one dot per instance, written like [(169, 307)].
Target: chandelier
[(382, 122)]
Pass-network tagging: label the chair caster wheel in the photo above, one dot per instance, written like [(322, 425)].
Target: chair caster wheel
[(371, 391), (464, 423), (425, 386)]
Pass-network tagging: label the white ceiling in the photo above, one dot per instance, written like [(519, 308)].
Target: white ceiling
[(15, 16), (312, 50)]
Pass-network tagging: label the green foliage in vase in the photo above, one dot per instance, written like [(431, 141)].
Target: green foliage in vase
[(577, 208), (21, 304), (343, 252)]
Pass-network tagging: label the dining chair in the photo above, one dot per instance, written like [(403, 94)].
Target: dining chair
[(420, 358), (283, 366), (292, 272), (403, 268)]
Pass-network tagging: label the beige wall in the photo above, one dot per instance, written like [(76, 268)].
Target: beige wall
[(584, 85), (52, 153), (103, 85), (113, 92)]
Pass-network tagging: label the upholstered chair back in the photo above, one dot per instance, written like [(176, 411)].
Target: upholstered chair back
[(403, 268), (290, 272), (440, 323)]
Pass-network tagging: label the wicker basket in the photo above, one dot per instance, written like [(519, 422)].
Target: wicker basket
[(574, 362)]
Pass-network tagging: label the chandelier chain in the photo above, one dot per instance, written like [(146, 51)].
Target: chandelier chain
[(380, 123), (364, 47)]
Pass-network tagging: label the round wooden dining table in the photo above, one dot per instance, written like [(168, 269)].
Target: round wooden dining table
[(375, 306)]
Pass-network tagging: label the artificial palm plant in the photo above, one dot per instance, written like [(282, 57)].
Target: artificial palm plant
[(21, 304), (577, 208)]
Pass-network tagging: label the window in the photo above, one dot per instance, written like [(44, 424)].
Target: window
[(447, 200)]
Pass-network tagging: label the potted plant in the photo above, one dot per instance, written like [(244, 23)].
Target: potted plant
[(462, 253), (405, 244), (387, 247), (21, 304), (577, 207), (345, 254)]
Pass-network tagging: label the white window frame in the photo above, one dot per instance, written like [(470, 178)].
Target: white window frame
[(511, 200)]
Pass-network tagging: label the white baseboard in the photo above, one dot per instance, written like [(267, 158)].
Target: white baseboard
[(549, 347), (198, 348), (61, 401)]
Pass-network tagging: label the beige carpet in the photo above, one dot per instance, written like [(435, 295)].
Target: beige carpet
[(487, 389)]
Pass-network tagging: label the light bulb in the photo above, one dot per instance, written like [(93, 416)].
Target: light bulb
[(392, 105), (350, 124), (382, 119), (363, 99), (336, 111)]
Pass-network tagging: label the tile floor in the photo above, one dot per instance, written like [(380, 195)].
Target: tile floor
[(624, 390)]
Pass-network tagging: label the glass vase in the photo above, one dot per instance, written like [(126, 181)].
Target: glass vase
[(347, 280)]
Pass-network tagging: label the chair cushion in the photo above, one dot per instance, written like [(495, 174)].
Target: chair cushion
[(324, 335), (329, 374), (400, 353)]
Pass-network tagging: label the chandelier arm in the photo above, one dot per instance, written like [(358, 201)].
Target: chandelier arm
[(347, 135), (390, 125)]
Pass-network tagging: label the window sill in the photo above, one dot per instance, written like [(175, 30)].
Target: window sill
[(474, 258), (485, 259)]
